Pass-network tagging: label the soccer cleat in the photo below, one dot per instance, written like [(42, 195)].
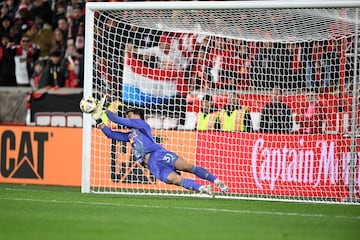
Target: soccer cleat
[(206, 189), (221, 185)]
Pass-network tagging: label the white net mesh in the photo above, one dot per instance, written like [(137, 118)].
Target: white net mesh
[(261, 98), (249, 24)]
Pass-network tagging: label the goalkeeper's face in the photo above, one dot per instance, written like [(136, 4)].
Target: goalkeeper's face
[(133, 115), (130, 115)]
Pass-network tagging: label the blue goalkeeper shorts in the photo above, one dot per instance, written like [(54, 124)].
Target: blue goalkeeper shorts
[(161, 163)]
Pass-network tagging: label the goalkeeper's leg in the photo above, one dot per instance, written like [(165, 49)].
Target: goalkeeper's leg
[(201, 172), (190, 184)]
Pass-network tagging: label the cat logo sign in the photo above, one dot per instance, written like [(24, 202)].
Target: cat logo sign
[(40, 155), (19, 157)]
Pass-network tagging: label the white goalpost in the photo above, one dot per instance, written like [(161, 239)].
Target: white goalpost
[(263, 94)]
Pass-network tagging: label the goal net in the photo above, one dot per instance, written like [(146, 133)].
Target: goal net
[(264, 95)]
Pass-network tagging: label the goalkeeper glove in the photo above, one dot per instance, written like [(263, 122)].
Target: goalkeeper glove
[(98, 111)]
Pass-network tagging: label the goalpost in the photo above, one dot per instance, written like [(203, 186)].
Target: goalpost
[(236, 52)]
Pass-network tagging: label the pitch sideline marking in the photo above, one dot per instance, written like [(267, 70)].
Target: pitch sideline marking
[(216, 210)]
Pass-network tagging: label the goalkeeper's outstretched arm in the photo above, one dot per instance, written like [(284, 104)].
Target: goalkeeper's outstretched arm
[(131, 123), (120, 136)]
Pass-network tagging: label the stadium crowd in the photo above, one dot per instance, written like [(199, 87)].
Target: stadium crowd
[(42, 43)]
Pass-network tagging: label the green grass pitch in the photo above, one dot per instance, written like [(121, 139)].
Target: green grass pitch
[(39, 212)]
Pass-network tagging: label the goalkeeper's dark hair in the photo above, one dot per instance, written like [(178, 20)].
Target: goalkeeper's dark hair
[(136, 111)]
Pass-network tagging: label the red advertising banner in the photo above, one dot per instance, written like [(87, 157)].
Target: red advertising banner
[(288, 165)]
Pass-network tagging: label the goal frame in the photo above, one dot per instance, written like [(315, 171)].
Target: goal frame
[(92, 7)]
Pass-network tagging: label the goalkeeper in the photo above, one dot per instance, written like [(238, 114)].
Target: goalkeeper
[(163, 164)]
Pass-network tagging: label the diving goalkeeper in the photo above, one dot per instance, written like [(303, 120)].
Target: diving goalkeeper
[(163, 164)]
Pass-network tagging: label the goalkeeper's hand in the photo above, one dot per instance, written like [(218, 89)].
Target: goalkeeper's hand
[(98, 111)]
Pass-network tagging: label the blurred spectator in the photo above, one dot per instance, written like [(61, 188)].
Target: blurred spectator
[(25, 54), (112, 51), (23, 21), (42, 35), (317, 73), (11, 6), (38, 69), (58, 13), (70, 5), (200, 78), (5, 26), (54, 74), (220, 55), (229, 80), (208, 117), (292, 64), (241, 65), (62, 24), (264, 70), (42, 9), (164, 55), (76, 29), (234, 117), (72, 62), (190, 45), (161, 56), (189, 42), (7, 64), (276, 116), (139, 37), (60, 40), (313, 115), (229, 75), (334, 56), (13, 36), (4, 10)]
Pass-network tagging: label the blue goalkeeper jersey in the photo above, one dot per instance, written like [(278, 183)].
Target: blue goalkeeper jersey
[(140, 136)]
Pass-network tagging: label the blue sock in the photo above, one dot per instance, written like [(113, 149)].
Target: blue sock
[(203, 173), (190, 184)]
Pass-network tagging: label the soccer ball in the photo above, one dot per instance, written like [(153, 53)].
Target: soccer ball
[(88, 104)]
